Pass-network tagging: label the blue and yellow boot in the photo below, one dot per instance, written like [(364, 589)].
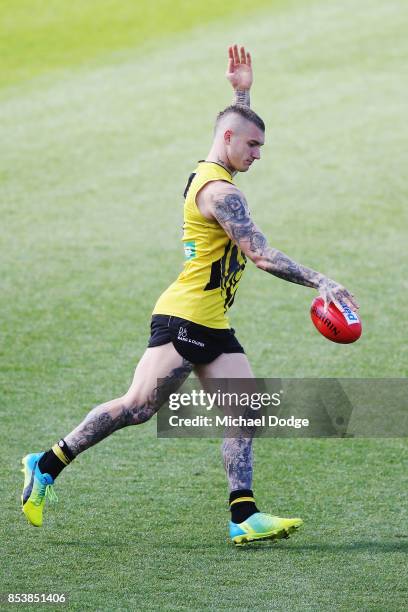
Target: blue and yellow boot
[(261, 526), (37, 488)]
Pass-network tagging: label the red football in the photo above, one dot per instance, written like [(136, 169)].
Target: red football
[(342, 326)]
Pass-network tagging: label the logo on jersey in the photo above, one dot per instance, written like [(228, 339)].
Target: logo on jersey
[(190, 249), (226, 273)]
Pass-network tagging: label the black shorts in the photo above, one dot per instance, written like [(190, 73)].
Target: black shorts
[(196, 343)]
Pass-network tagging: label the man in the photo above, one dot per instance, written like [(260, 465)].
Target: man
[(219, 235)]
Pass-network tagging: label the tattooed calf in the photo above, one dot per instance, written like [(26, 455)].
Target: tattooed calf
[(122, 412), (237, 456)]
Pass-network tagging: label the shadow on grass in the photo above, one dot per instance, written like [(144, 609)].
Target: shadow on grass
[(374, 547), (93, 544)]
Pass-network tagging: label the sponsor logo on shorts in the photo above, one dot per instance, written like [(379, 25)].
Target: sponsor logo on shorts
[(182, 335)]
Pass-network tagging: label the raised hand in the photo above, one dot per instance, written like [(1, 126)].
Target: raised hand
[(239, 73)]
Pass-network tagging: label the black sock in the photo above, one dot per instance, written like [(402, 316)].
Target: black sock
[(242, 510), (54, 460)]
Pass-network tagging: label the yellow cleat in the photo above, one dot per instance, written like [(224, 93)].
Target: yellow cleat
[(261, 526), (37, 488)]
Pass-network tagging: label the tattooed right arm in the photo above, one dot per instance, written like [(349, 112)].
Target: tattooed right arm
[(229, 207), (242, 97)]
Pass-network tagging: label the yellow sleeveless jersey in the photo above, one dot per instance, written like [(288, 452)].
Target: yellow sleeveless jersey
[(213, 265)]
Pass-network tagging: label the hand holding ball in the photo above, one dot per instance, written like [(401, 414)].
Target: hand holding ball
[(338, 325)]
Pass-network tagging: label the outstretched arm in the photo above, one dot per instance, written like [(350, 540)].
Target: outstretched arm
[(230, 209), (239, 74)]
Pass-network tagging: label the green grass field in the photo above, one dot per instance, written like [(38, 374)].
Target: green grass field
[(104, 109)]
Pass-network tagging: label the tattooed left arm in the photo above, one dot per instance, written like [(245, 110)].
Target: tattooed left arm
[(230, 209)]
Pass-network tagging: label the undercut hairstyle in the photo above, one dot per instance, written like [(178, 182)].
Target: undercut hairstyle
[(242, 111)]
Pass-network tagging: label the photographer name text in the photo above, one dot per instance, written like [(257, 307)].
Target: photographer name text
[(240, 421)]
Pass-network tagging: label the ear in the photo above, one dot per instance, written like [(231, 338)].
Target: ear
[(227, 136)]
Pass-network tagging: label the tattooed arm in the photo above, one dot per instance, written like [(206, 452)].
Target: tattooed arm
[(239, 73), (242, 97), (229, 207)]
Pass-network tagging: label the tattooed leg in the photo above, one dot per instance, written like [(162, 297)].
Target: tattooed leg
[(104, 420), (237, 450), (134, 408), (237, 456)]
